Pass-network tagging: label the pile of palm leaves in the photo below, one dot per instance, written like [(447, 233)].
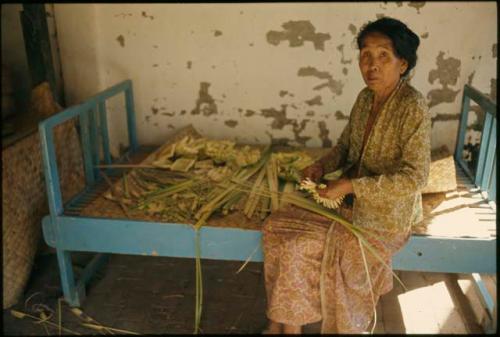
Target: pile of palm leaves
[(195, 177)]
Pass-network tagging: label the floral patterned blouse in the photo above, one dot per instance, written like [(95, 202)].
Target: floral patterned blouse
[(394, 165)]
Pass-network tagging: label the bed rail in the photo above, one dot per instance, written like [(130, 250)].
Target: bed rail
[(92, 116), (484, 173)]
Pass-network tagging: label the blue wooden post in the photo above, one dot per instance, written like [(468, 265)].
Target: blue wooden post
[(483, 149), (50, 170), (72, 294), (486, 297), (86, 147), (129, 102), (462, 127), (94, 142), (492, 189), (103, 121), (490, 152)]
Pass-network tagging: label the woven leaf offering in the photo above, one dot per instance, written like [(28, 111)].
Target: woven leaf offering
[(312, 188)]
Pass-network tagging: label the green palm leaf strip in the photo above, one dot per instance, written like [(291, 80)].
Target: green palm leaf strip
[(253, 198), (169, 190), (224, 192), (199, 283), (272, 180), (365, 264)]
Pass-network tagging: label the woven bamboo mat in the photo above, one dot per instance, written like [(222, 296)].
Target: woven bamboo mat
[(457, 213)]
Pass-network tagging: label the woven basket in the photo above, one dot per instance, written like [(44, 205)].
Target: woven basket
[(24, 201)]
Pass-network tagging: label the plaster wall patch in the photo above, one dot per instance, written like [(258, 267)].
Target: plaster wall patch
[(121, 40), (323, 135), (297, 32), (205, 103)]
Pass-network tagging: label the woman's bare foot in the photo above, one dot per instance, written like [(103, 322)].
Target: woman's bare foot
[(292, 329), (274, 328)]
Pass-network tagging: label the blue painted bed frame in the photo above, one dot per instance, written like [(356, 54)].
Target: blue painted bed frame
[(68, 233)]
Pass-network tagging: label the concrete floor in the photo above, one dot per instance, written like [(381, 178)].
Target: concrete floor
[(150, 295), (156, 295)]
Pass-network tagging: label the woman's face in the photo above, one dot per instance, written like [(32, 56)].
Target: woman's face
[(380, 67)]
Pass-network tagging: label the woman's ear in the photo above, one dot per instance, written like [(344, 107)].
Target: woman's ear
[(404, 66)]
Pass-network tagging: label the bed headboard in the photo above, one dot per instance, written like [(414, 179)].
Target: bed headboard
[(478, 157), (92, 117)]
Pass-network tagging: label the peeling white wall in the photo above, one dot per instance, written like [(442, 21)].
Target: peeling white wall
[(77, 26), (169, 50)]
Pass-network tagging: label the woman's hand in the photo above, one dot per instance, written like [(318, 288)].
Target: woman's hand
[(313, 172), (336, 188)]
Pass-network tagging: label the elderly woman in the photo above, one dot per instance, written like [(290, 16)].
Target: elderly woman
[(314, 268)]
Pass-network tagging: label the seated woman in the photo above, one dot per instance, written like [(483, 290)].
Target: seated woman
[(314, 269)]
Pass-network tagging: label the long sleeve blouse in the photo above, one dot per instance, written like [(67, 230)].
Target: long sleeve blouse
[(393, 166)]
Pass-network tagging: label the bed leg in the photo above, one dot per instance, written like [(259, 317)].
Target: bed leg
[(95, 264), (72, 294)]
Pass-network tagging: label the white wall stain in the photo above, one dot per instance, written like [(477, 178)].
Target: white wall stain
[(247, 74)]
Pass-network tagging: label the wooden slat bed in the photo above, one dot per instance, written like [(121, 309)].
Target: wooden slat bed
[(458, 237)]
